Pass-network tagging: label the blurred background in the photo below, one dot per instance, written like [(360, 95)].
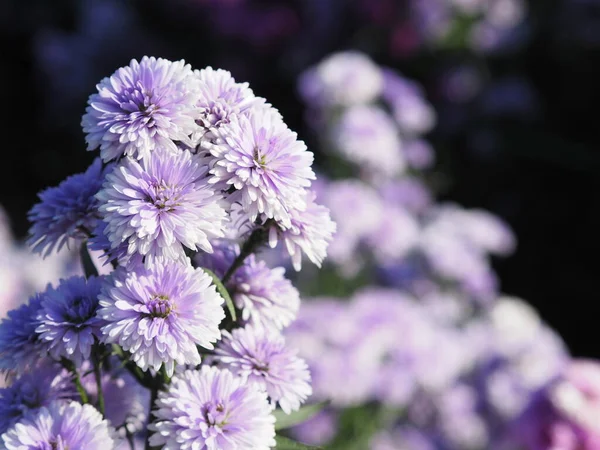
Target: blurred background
[(514, 87)]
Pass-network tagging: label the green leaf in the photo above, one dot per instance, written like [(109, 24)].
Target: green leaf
[(86, 261), (283, 420), (224, 293), (284, 443)]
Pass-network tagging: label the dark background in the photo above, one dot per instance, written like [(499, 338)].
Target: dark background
[(533, 161)]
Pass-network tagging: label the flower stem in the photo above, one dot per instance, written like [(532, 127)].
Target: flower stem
[(97, 362), (255, 240), (80, 389)]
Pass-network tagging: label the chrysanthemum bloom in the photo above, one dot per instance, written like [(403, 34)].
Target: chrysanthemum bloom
[(212, 409), (220, 98), (262, 294), (67, 211), (260, 356), (310, 232), (343, 79), (368, 137), (161, 204), (68, 322), (20, 345), (161, 313), (60, 426), (142, 107), (263, 160), (38, 387), (565, 414)]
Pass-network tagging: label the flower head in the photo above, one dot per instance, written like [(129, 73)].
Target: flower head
[(262, 159), (20, 345), (141, 107), (261, 357), (68, 323), (60, 426), (220, 98), (159, 205), (310, 232), (212, 409), (67, 211), (161, 313)]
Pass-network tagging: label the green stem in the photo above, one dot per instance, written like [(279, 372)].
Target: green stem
[(98, 376), (76, 379), (255, 240), (143, 378), (89, 268)]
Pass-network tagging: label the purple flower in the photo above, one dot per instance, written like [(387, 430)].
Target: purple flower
[(68, 211), (159, 205), (68, 322), (263, 160), (405, 438), (342, 79), (261, 357), (161, 313), (318, 430), (419, 154), (263, 295), (20, 345), (395, 237), (212, 409), (367, 136), (142, 107), (61, 426), (221, 98), (310, 232), (32, 390)]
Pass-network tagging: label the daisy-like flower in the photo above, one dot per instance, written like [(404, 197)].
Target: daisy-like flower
[(32, 390), (68, 322), (159, 205), (262, 294), (161, 313), (212, 409), (220, 98), (141, 107), (67, 211), (261, 357), (310, 233), (263, 160), (20, 345), (60, 426)]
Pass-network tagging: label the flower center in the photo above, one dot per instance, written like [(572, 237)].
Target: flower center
[(163, 197), (259, 158), (81, 310), (160, 306), (215, 414)]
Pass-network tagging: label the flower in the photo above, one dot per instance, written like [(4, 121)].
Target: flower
[(32, 390), (142, 107), (310, 233), (20, 346), (159, 205), (211, 409), (68, 323), (60, 426), (342, 79), (161, 313), (221, 98), (260, 356), (263, 160), (367, 136), (67, 211), (262, 294)]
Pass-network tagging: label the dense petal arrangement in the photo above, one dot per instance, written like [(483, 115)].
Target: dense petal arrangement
[(68, 323), (211, 409), (160, 314), (262, 159), (61, 426), (261, 357), (160, 205), (141, 107), (68, 211), (310, 232)]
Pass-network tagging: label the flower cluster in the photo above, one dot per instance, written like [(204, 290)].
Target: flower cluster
[(179, 341)]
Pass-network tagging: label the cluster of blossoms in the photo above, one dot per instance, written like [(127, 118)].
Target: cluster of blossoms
[(177, 341), (435, 355)]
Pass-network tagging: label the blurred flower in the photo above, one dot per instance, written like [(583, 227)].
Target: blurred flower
[(142, 107), (212, 409), (161, 314)]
